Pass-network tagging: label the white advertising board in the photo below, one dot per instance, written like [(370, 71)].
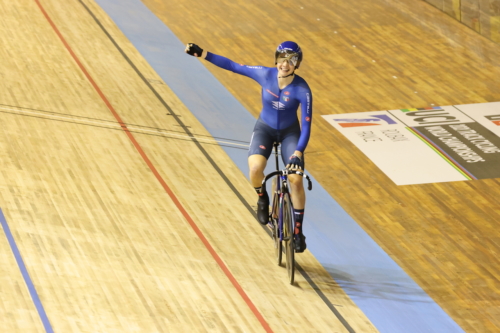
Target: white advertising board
[(428, 145)]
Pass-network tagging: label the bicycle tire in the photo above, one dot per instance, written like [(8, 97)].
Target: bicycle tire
[(288, 233), (278, 245)]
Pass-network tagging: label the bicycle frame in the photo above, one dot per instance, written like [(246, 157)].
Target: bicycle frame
[(282, 204), (282, 188)]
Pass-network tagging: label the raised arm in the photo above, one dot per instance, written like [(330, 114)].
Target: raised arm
[(255, 72)]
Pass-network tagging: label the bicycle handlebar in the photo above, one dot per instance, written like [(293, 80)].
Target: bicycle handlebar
[(288, 172)]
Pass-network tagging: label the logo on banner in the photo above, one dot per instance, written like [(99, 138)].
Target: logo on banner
[(494, 118), (433, 116), (371, 121)]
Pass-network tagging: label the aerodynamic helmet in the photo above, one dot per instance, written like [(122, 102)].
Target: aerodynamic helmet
[(290, 51)]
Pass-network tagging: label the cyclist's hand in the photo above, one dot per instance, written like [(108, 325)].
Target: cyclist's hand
[(295, 163), (194, 50)]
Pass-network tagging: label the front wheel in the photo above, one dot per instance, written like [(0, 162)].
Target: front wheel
[(288, 230), (278, 245)]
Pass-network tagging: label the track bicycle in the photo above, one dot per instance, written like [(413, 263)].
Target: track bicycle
[(282, 217)]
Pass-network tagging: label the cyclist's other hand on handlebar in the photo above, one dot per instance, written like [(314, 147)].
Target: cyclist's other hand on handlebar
[(194, 50), (295, 163)]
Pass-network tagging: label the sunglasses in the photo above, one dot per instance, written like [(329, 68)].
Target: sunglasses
[(291, 57)]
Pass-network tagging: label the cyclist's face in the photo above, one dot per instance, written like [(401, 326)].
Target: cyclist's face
[(285, 66)]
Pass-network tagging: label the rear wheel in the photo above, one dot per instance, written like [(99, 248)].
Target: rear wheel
[(278, 245), (288, 238)]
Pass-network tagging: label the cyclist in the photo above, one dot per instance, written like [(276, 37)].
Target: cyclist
[(282, 92)]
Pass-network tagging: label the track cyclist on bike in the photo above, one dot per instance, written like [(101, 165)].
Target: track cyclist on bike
[(282, 92)]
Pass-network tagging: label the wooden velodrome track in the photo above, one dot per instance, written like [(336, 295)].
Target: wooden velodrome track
[(107, 208)]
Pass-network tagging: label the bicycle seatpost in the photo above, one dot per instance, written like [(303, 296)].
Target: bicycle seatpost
[(276, 155)]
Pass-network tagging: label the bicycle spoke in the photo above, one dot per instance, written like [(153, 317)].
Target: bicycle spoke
[(288, 233)]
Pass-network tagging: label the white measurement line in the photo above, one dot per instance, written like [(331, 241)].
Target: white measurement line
[(117, 126)]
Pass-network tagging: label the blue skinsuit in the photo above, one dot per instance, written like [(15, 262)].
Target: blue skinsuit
[(279, 107)]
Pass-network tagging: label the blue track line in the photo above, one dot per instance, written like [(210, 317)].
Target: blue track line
[(26, 276)]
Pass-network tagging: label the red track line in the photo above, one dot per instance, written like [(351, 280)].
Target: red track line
[(176, 201)]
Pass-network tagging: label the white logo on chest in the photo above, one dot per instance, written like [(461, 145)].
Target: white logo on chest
[(278, 105)]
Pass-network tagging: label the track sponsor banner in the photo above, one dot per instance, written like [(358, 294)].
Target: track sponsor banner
[(428, 145), (487, 114)]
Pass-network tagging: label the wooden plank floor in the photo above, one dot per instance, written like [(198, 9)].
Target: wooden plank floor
[(366, 56), (106, 246)]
